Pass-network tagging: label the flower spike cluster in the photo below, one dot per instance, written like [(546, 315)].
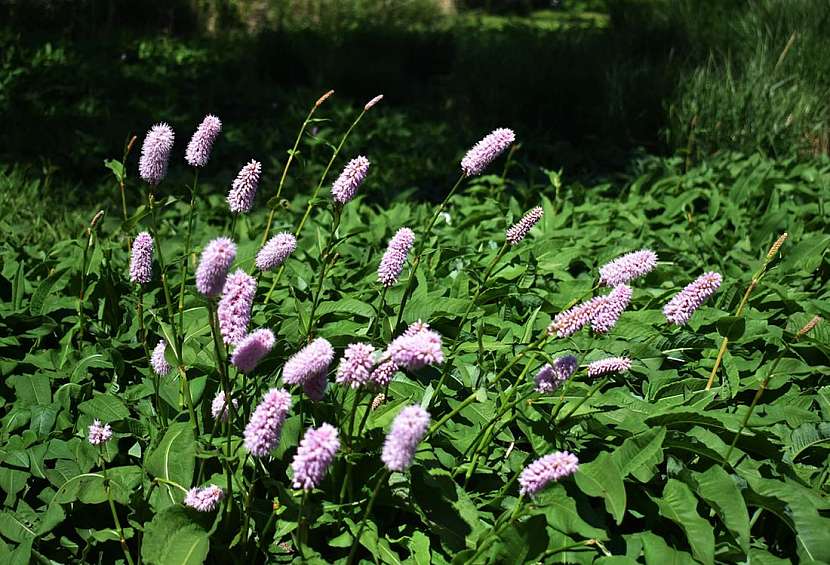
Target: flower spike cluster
[(609, 365), (155, 153), (158, 360), (485, 151), (353, 175), (198, 150), (316, 452), (521, 228), (551, 377), (234, 310), (141, 259), (541, 472), (213, 266), (393, 261), (219, 408), (99, 433), (276, 251), (312, 360), (356, 365), (680, 308), (416, 350), (408, 429), (252, 348), (610, 308), (628, 267), (204, 499), (263, 431), (243, 189)]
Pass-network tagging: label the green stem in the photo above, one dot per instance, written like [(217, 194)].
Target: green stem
[(422, 242), (496, 531), (376, 324), (187, 243), (463, 404), (758, 394), (582, 401), (353, 551), (118, 527), (327, 265)]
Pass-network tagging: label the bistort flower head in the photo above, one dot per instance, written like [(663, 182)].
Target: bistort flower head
[(379, 399), (314, 455), (234, 311), (252, 348), (574, 319), (353, 175), (551, 377), (198, 150), (315, 386), (356, 365), (383, 373), (416, 350), (213, 266), (609, 365), (610, 308), (681, 307), (394, 259), (485, 151), (99, 433), (276, 251), (158, 361), (312, 360), (219, 408), (372, 102), (415, 328), (141, 259), (628, 267), (263, 431), (243, 189), (541, 472), (155, 153), (408, 429), (521, 228), (204, 499)]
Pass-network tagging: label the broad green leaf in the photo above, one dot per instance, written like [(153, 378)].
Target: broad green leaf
[(105, 407), (602, 478), (174, 460), (719, 490), (173, 537), (679, 505)]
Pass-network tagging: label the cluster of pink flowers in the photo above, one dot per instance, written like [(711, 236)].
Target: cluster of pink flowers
[(155, 153), (219, 407), (213, 266), (316, 452), (393, 261), (628, 267), (356, 365), (243, 190), (680, 308), (311, 361), (158, 361), (521, 228), (541, 472), (408, 429), (610, 308), (234, 311), (198, 150), (99, 433), (353, 175), (141, 259), (276, 251), (204, 499), (263, 430), (485, 151), (551, 377), (252, 348), (609, 365)]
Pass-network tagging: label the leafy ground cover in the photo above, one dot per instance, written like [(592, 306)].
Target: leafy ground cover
[(670, 469)]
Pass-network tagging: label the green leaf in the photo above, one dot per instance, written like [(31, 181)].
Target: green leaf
[(174, 460), (806, 436), (105, 407), (719, 490), (602, 478), (173, 537), (732, 327), (679, 505), (642, 451)]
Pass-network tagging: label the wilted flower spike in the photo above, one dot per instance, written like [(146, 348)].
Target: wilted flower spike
[(393, 261), (312, 360), (610, 308), (204, 499), (243, 190), (158, 361), (541, 472), (314, 455), (141, 259), (383, 373), (379, 399), (521, 228), (353, 175), (276, 251), (408, 429), (356, 365), (219, 408), (773, 250), (213, 266), (99, 433), (198, 150), (155, 153), (263, 431), (251, 349), (551, 377), (681, 307), (234, 311), (416, 350), (628, 267), (808, 327), (485, 151), (609, 365), (372, 102)]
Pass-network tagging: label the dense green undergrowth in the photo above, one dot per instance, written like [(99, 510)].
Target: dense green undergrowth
[(670, 471)]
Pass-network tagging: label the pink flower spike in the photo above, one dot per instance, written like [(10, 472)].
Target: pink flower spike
[(394, 259), (198, 150), (213, 266), (679, 309), (155, 153), (608, 366), (521, 228), (628, 267), (372, 102), (219, 408), (417, 350), (541, 472), (158, 361), (383, 373), (316, 452), (141, 259), (234, 310), (262, 434), (611, 308), (408, 429), (356, 365), (243, 190), (99, 433), (312, 360), (276, 251), (485, 151), (251, 349), (204, 499), (353, 175)]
